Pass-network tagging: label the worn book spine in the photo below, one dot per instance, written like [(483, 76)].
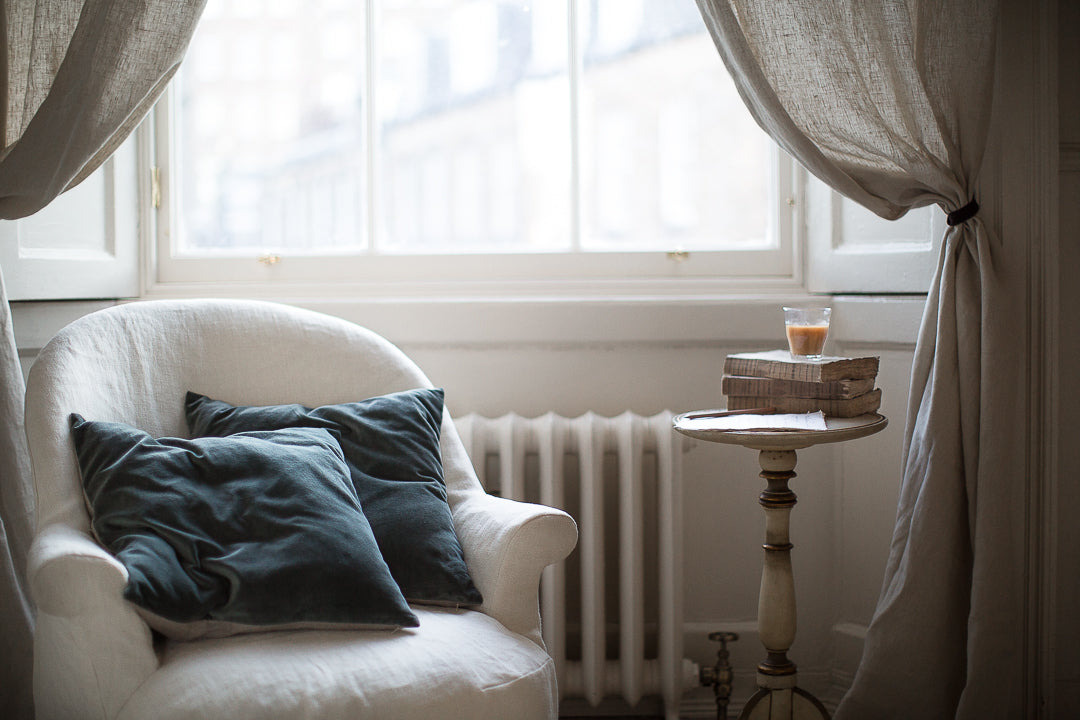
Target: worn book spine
[(768, 365), (833, 407), (774, 387)]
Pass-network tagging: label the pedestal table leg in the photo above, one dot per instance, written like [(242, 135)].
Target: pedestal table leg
[(778, 697)]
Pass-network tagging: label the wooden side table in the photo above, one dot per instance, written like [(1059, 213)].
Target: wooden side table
[(778, 696)]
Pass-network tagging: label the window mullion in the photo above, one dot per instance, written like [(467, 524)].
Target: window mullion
[(371, 129), (574, 70)]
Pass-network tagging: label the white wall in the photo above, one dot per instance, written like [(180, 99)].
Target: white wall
[(841, 526)]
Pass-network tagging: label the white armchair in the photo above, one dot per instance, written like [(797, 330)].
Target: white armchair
[(94, 655)]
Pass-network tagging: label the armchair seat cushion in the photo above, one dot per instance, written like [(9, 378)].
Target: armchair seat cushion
[(458, 664)]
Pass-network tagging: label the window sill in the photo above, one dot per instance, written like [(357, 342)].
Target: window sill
[(683, 311), (746, 320)]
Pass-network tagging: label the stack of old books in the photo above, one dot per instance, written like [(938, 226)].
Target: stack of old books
[(838, 387)]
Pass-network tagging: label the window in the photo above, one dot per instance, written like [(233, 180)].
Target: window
[(472, 147), (352, 142)]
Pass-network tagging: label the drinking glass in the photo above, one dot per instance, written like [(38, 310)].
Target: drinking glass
[(807, 329)]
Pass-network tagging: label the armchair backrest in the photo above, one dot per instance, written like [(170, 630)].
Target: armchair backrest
[(134, 364)]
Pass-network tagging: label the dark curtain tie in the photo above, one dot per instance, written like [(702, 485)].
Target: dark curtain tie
[(963, 214)]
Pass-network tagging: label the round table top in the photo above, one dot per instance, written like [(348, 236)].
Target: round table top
[(837, 430)]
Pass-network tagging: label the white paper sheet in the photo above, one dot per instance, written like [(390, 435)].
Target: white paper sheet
[(780, 421)]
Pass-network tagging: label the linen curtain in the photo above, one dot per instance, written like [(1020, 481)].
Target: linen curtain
[(76, 77), (889, 103)]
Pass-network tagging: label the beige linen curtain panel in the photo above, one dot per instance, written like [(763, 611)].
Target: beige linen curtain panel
[(76, 76), (888, 101)]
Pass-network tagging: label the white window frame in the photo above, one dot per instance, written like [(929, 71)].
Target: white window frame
[(810, 251), (776, 265)]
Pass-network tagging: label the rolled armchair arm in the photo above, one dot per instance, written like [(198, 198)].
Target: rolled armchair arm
[(60, 558), (507, 545), (78, 589)]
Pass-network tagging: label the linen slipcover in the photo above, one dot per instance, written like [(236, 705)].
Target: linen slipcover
[(96, 658)]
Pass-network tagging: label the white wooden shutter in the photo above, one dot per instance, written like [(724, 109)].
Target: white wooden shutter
[(851, 250), (82, 245)]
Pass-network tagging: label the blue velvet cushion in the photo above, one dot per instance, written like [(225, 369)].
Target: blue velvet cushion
[(257, 529), (391, 445)]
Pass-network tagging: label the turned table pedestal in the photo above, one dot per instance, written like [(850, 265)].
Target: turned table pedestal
[(778, 696)]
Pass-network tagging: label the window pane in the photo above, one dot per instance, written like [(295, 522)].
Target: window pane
[(466, 130), (670, 157), (474, 126), (270, 128)]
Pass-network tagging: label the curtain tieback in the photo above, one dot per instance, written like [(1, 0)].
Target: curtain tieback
[(963, 214)]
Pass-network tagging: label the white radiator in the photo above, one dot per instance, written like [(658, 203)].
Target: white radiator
[(613, 611)]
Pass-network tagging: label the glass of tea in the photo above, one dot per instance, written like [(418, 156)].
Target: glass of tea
[(807, 329)]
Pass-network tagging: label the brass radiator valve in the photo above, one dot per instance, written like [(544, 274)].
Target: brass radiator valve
[(720, 676)]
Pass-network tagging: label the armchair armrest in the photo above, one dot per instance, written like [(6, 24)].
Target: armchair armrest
[(507, 545), (60, 558), (77, 587)]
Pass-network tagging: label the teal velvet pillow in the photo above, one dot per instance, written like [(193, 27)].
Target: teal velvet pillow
[(257, 530), (391, 445)]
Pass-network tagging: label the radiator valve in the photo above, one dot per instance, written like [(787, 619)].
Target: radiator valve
[(720, 676)]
